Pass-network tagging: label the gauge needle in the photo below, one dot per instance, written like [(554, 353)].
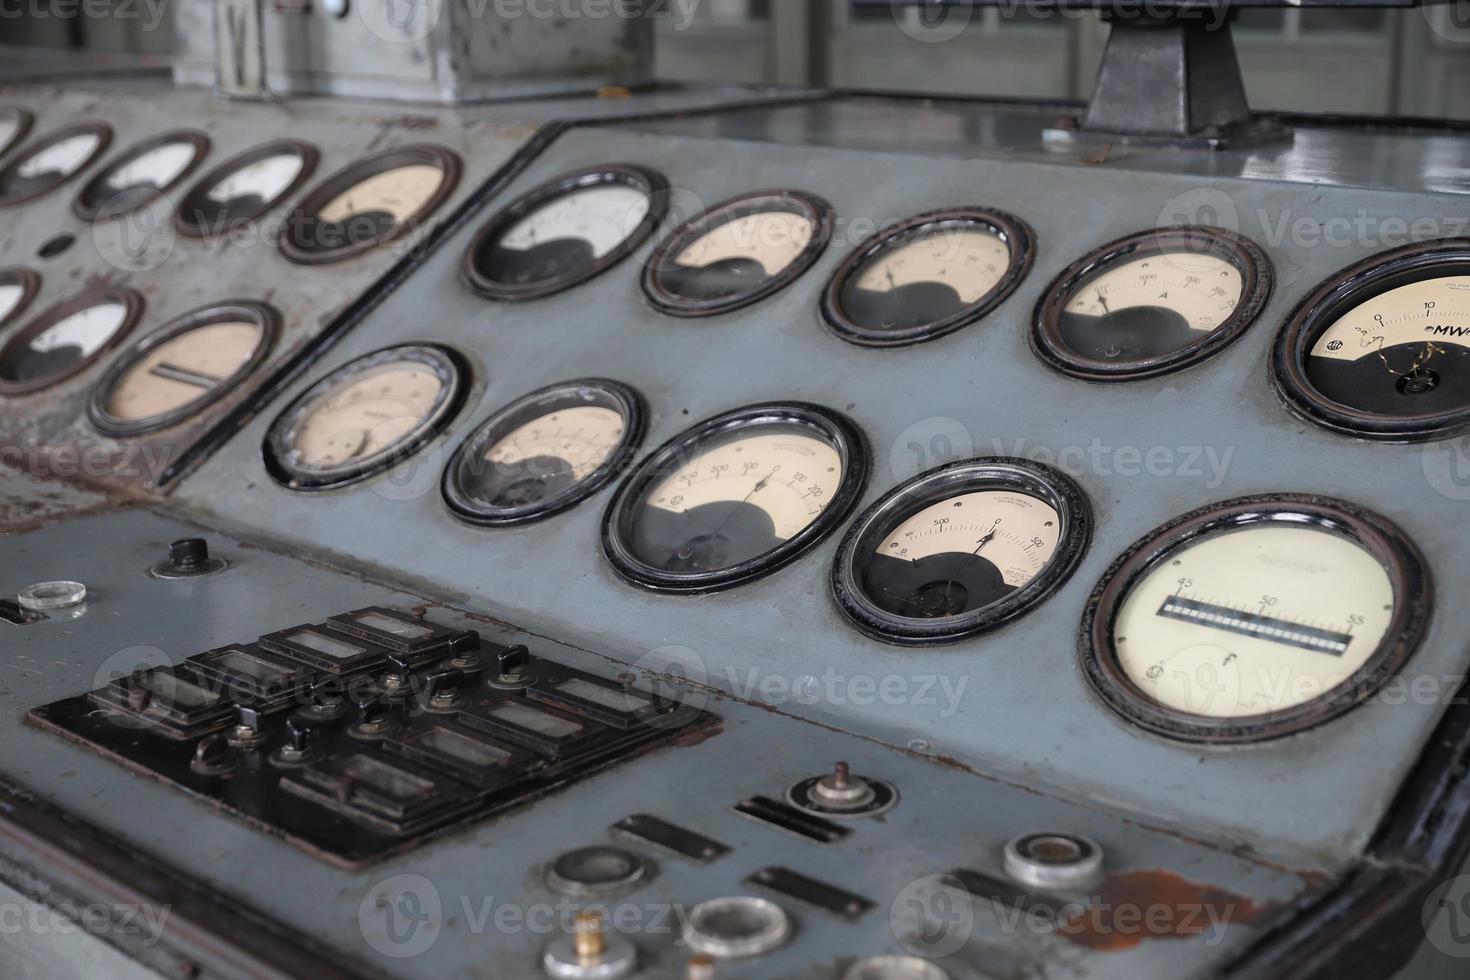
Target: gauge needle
[(949, 583), (175, 373)]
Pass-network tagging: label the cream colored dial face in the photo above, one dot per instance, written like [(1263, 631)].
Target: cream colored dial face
[(371, 412), (1015, 532), (1253, 621), (88, 330), (402, 192), (1432, 310), (1203, 289), (602, 216), (583, 435), (183, 369), (772, 238), (265, 179), (63, 157), (157, 167), (10, 296), (971, 261)]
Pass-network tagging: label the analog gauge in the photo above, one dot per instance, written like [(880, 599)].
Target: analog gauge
[(960, 550), (17, 288), (365, 416), (738, 253), (1151, 303), (56, 159), (181, 368), (369, 203), (544, 452), (141, 174), (244, 187), (64, 339), (735, 497), (1255, 618), (565, 232), (927, 277), (1382, 349), (15, 123)]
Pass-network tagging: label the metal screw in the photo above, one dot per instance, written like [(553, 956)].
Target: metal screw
[(589, 940), (840, 775), (702, 967)]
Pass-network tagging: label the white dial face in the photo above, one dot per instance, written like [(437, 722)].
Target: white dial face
[(773, 239), (584, 436), (87, 330), (266, 179), (1252, 621), (602, 216), (10, 296), (971, 261), (183, 369), (1202, 289), (367, 414), (158, 167), (401, 192), (63, 157), (1430, 311), (1016, 533)]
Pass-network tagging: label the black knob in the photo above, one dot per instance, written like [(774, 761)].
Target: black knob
[(444, 682), (400, 666), (213, 753), (463, 642), (188, 553), (248, 717), (513, 660), (373, 712), (299, 736)]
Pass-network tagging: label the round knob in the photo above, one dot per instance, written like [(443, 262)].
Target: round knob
[(213, 755), (513, 660), (187, 553)]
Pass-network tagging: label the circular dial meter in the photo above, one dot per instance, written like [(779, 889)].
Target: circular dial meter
[(1382, 350), (184, 366), (364, 417), (960, 550), (14, 124), (369, 203), (1255, 618), (244, 187), (65, 339), (738, 253), (927, 277), (1151, 303), (56, 159), (140, 174), (17, 288), (565, 232), (544, 453), (735, 497)]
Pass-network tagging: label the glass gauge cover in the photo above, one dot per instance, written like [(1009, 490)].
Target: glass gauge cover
[(17, 288), (365, 417), (738, 253), (1151, 303), (1255, 618), (56, 159), (183, 367), (1382, 349), (927, 277), (735, 497), (371, 202), (244, 187), (961, 550), (565, 232), (15, 123), (64, 339), (544, 452), (140, 174)]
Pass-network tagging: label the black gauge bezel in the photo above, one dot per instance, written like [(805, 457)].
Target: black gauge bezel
[(1257, 280), (186, 214), (29, 283), (1408, 574), (448, 364), (101, 130), (1332, 298), (651, 183), (836, 429), (1017, 235), (815, 209), (365, 168), (24, 119), (234, 311), (87, 210), (132, 303), (609, 394), (1003, 473)]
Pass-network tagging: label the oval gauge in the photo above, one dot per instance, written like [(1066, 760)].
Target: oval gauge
[(738, 253), (17, 288), (64, 339), (1151, 303), (1382, 349), (140, 174), (565, 232), (244, 187), (56, 159), (735, 497), (927, 277), (1255, 618), (183, 367), (365, 417), (369, 203), (15, 123), (544, 452), (961, 550)]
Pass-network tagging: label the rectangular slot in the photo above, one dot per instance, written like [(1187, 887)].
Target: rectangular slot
[(818, 894), (1007, 893), (586, 695), (466, 755), (249, 675), (17, 615), (763, 809), (670, 837), (395, 631), (318, 647), (397, 792), (538, 729)]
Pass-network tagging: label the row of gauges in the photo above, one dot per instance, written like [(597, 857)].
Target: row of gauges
[(1245, 620), (1381, 350), (368, 203)]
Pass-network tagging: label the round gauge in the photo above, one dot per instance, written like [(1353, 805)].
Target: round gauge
[(565, 232), (1151, 303), (1382, 349), (181, 368), (244, 187), (927, 277), (15, 123), (365, 416), (56, 159), (17, 288), (370, 203), (544, 452), (1255, 618), (735, 497), (66, 338), (738, 253), (961, 550), (140, 174)]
